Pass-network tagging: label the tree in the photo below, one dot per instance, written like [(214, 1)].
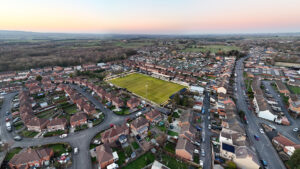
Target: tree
[(39, 78), (231, 165), (170, 119), (294, 162)]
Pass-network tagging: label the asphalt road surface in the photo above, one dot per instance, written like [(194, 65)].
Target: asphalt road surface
[(263, 147)]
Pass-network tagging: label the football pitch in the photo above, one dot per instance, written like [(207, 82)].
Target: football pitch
[(148, 87)]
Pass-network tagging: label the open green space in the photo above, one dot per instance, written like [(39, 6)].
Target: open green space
[(294, 89), (46, 114), (170, 147), (134, 44), (26, 133), (11, 153), (72, 109), (212, 48), (141, 162), (148, 87), (173, 163), (54, 133), (59, 148), (172, 133), (135, 145)]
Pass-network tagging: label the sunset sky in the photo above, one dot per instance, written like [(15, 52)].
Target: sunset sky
[(151, 16)]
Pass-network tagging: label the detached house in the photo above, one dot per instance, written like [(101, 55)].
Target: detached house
[(153, 116), (57, 124), (78, 119), (36, 124), (112, 135), (185, 149), (139, 126), (133, 103), (30, 158), (104, 155)]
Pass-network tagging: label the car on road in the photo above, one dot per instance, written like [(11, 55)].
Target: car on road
[(63, 136), (256, 137), (76, 150), (264, 163), (7, 113), (17, 138), (202, 152), (196, 151), (7, 119), (197, 143), (209, 126), (201, 163), (261, 130), (295, 129)]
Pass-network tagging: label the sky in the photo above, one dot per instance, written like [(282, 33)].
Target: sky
[(151, 16)]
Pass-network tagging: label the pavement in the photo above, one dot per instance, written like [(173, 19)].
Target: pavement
[(81, 139), (263, 147)]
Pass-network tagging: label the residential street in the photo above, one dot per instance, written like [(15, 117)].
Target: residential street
[(263, 147), (79, 139), (206, 133)]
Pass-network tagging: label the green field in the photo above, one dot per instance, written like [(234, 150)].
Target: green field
[(294, 89), (157, 91), (212, 48)]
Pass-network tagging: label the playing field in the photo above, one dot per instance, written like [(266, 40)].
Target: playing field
[(157, 91)]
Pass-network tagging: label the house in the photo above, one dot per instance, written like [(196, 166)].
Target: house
[(57, 124), (285, 144), (28, 158), (139, 126), (234, 146), (111, 135), (188, 131), (78, 119), (282, 87), (294, 105), (133, 103), (36, 124), (153, 116), (116, 101), (184, 149), (104, 155), (89, 109), (158, 165)]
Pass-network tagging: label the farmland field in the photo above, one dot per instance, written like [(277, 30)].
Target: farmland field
[(157, 91), (212, 48)]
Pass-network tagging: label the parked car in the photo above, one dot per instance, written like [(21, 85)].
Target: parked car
[(17, 138), (261, 130), (264, 163), (295, 129), (201, 163), (197, 143), (209, 126), (63, 135), (76, 150), (202, 152)]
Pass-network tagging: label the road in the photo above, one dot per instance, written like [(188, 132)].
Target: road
[(263, 147), (81, 139), (206, 145)]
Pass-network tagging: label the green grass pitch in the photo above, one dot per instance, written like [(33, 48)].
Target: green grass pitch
[(157, 91)]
